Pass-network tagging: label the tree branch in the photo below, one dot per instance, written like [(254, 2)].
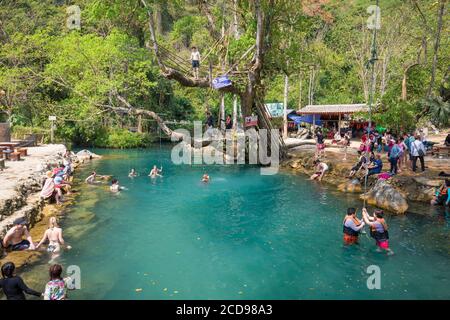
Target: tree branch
[(203, 7), (136, 111)]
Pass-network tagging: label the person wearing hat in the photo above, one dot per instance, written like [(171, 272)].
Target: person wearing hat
[(378, 229), (14, 237), (48, 188)]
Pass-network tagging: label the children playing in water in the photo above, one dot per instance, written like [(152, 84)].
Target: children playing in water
[(155, 172), (321, 168), (205, 178), (352, 227), (14, 237), (378, 229)]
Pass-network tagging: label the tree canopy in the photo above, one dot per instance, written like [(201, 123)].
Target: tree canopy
[(323, 46)]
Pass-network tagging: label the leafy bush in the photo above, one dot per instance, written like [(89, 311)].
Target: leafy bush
[(120, 138)]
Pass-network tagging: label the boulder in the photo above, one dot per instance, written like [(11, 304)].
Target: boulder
[(384, 195), (351, 186)]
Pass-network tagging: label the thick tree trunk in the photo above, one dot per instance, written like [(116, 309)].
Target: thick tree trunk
[(404, 87)]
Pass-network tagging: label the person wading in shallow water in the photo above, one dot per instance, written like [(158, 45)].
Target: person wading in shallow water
[(378, 230), (13, 286), (54, 236), (205, 178), (352, 227), (155, 172)]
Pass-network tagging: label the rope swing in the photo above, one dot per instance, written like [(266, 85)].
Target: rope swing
[(371, 65)]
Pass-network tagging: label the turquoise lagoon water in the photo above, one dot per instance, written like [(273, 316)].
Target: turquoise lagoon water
[(243, 236)]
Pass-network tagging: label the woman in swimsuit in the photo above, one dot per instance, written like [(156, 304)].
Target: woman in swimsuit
[(55, 239)]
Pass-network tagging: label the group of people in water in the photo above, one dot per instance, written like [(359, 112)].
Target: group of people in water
[(15, 288), (18, 238), (353, 227)]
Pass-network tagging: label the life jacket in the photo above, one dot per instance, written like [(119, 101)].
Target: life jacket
[(349, 231), (379, 236), (443, 190)]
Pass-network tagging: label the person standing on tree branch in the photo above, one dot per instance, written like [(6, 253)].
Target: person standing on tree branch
[(195, 58)]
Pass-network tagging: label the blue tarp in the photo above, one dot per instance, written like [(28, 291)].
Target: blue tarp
[(221, 82), (306, 118)]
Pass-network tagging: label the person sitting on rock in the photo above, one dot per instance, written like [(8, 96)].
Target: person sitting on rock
[(48, 189), (447, 140), (352, 227), (357, 167), (61, 184), (321, 168), (378, 229), (442, 195), (14, 237), (375, 166)]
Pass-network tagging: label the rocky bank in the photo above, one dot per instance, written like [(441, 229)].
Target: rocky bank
[(396, 194)]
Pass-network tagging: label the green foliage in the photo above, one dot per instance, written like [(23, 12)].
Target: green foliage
[(46, 69), (439, 111), (119, 138)]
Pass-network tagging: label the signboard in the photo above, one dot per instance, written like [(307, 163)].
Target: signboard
[(221, 82), (251, 121), (275, 109), (52, 118)]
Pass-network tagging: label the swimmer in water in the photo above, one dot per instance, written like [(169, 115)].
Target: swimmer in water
[(205, 178), (132, 173), (155, 172), (55, 239), (115, 186), (91, 178)]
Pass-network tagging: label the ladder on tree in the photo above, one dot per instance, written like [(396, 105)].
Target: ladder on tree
[(266, 124)]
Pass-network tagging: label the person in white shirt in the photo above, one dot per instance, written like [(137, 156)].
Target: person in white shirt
[(195, 58), (418, 151)]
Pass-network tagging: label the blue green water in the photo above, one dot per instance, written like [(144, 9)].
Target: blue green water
[(243, 236)]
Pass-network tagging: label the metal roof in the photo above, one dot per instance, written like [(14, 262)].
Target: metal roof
[(333, 108)]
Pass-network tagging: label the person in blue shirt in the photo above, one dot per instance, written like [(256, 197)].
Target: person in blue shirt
[(376, 166), (394, 155)]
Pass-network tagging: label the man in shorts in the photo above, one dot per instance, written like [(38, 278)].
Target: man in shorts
[(14, 237)]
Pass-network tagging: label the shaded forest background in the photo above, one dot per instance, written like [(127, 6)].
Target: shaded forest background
[(321, 46)]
